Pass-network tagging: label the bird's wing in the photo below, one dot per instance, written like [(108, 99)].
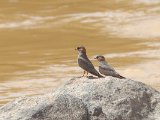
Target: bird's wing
[(87, 66), (107, 71)]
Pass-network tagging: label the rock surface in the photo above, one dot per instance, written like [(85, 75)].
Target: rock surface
[(89, 99)]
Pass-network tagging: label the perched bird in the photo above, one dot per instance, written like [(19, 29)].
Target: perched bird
[(85, 63), (106, 69)]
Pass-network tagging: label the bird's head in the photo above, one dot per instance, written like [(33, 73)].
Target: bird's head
[(81, 49), (100, 58)]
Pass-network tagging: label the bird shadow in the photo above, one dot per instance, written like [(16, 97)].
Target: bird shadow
[(89, 77), (74, 78)]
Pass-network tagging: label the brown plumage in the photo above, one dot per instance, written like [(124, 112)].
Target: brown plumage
[(85, 63), (106, 69)]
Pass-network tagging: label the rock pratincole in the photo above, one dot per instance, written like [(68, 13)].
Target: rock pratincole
[(106, 69), (85, 63)]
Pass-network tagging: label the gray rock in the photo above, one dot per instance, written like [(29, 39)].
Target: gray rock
[(89, 99)]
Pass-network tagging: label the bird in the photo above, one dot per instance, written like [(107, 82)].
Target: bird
[(106, 69), (85, 63)]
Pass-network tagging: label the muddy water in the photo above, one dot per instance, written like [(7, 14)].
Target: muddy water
[(37, 41)]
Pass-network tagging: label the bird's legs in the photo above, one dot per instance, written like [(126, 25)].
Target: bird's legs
[(83, 73), (87, 74)]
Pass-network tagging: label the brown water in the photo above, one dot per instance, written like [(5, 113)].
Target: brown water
[(38, 37)]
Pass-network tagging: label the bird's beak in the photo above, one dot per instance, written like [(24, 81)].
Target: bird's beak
[(95, 57)]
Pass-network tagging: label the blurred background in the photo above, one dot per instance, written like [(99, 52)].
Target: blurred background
[(38, 38)]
